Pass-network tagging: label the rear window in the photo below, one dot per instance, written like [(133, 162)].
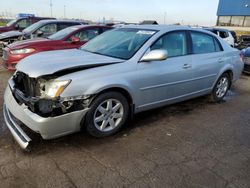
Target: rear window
[(223, 34)]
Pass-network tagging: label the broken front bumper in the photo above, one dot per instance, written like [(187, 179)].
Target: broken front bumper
[(48, 128)]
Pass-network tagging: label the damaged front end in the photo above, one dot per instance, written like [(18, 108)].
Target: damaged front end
[(42, 95)]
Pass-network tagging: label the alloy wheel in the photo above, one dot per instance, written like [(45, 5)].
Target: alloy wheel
[(108, 115), (222, 87)]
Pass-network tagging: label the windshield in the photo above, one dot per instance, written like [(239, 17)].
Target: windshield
[(32, 27), (63, 33), (121, 43), (11, 22)]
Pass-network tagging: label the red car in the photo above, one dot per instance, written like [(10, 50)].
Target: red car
[(71, 37)]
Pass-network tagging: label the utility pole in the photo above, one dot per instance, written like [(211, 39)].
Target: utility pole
[(64, 10), (51, 5), (165, 14)]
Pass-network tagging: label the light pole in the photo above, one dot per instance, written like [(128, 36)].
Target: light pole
[(64, 10), (165, 14), (51, 13)]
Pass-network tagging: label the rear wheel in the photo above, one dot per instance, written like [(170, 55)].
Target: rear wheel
[(221, 88), (107, 114)]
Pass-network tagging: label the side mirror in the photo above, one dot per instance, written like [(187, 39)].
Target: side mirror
[(155, 55), (75, 39), (39, 33)]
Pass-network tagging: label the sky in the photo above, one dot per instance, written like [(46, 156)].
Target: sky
[(193, 12)]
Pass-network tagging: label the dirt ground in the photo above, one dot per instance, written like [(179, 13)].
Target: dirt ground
[(191, 144)]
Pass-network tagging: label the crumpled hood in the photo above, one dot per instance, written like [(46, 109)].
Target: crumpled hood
[(52, 62), (10, 34)]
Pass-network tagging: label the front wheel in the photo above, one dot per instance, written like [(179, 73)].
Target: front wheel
[(107, 114), (221, 88)]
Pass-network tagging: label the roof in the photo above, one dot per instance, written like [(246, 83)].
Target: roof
[(147, 22), (58, 21), (90, 26), (234, 8), (165, 28), (215, 29), (156, 27)]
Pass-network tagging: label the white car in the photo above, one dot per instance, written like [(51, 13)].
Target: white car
[(225, 35)]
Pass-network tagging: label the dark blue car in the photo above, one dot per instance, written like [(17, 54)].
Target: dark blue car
[(246, 59)]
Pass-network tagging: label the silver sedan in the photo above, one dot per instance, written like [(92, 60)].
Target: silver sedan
[(119, 73)]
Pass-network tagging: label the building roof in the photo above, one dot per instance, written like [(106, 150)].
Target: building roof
[(234, 8)]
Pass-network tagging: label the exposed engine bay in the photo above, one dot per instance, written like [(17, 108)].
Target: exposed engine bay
[(33, 93)]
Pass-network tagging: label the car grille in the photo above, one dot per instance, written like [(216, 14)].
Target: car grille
[(25, 84), (246, 60)]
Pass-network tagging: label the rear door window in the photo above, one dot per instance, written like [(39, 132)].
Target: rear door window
[(87, 34), (218, 47), (203, 43), (22, 24), (175, 43), (223, 34), (65, 25), (105, 29), (48, 29)]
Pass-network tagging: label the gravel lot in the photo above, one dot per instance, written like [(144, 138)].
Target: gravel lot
[(191, 144)]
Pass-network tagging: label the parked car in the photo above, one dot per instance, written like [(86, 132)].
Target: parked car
[(246, 59), (229, 36), (17, 26), (71, 37), (244, 42), (115, 75), (43, 28), (20, 24)]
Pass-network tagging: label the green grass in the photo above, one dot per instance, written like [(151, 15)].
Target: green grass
[(2, 23)]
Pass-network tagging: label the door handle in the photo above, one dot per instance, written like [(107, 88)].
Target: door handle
[(187, 66), (221, 60)]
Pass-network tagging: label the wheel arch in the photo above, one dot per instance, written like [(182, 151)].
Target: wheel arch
[(125, 92), (228, 71), (119, 90), (231, 74)]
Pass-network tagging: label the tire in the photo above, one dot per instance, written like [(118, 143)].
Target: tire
[(221, 88), (102, 120)]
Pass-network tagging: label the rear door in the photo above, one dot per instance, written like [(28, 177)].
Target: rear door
[(208, 58)]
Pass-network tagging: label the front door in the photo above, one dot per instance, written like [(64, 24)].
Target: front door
[(170, 80)]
